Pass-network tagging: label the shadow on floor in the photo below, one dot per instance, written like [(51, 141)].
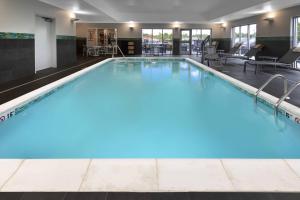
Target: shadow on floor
[(149, 196)]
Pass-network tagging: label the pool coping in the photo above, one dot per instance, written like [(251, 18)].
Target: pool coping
[(148, 175)]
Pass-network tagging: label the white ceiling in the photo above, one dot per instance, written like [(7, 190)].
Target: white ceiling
[(162, 11)]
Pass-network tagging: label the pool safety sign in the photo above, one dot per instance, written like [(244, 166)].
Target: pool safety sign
[(6, 116)]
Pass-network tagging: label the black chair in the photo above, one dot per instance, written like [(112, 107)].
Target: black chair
[(287, 60)]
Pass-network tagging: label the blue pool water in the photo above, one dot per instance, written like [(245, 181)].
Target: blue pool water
[(148, 109)]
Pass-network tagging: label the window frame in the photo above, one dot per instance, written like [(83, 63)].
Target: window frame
[(295, 41), (162, 39), (240, 34)]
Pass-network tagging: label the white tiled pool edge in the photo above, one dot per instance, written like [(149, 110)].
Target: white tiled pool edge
[(148, 175)]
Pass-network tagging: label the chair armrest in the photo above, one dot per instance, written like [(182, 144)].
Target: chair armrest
[(268, 58)]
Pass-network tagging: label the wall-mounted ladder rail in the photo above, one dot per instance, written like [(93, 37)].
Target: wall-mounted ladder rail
[(285, 84), (117, 48), (286, 94), (207, 40)]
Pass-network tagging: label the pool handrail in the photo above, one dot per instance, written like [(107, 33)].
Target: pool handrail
[(285, 96), (285, 82), (117, 48)]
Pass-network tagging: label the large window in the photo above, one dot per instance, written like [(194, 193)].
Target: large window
[(296, 32), (246, 35), (157, 41), (198, 35), (191, 40)]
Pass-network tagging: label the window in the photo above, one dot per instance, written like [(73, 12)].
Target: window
[(246, 35), (147, 36), (185, 35), (205, 33), (198, 35), (157, 36), (296, 32), (158, 40)]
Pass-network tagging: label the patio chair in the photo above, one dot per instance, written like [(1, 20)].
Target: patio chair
[(234, 50), (285, 61), (215, 43), (249, 54), (213, 55)]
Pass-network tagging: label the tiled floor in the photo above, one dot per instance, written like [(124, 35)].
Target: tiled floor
[(14, 89), (150, 175)]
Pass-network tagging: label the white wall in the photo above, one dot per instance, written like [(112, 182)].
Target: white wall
[(18, 16), (280, 27)]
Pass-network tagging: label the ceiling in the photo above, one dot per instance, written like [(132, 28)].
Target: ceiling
[(164, 11)]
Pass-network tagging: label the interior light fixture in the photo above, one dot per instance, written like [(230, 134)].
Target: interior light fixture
[(131, 24), (224, 25), (72, 15), (74, 19), (270, 17), (176, 24)]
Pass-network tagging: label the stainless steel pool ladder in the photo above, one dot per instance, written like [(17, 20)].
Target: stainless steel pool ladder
[(285, 82), (286, 94), (117, 48)]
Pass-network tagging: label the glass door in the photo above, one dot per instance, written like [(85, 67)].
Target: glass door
[(157, 41), (196, 41), (168, 41), (147, 38), (185, 42)]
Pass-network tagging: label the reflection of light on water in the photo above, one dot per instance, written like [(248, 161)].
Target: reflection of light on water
[(153, 62), (195, 73), (184, 66)]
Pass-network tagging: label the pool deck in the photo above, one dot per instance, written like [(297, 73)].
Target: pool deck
[(151, 175)]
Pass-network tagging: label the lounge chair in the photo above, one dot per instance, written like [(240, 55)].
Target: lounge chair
[(251, 53), (285, 61), (215, 43), (213, 55), (234, 50)]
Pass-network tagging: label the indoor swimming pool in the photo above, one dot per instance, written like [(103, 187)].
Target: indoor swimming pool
[(148, 108)]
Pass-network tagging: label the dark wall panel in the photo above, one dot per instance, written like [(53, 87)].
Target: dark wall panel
[(66, 51), (274, 46), (224, 43), (176, 46), (80, 43), (123, 44), (16, 59)]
